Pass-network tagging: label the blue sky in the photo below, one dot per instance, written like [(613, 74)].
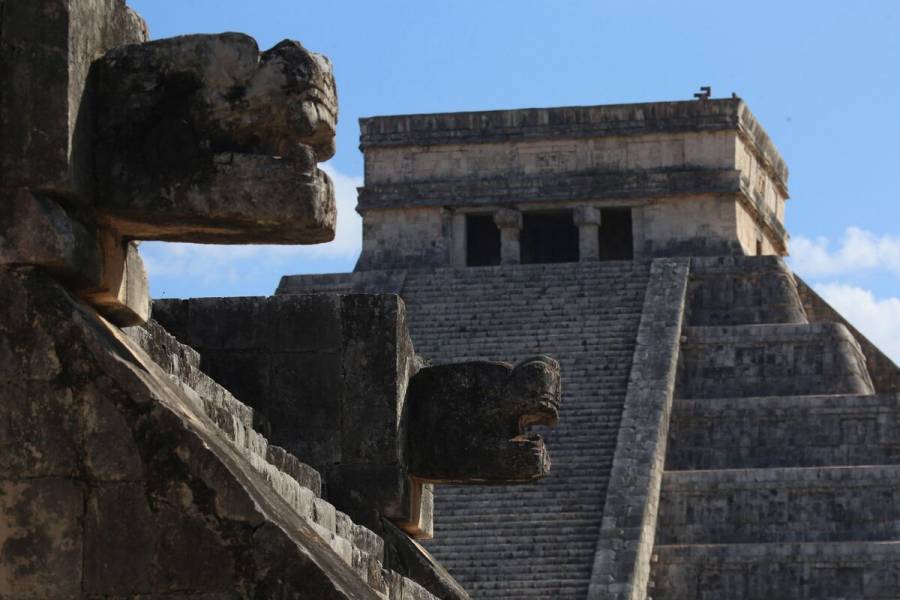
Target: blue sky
[(822, 77)]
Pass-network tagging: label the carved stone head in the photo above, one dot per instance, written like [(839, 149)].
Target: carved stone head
[(470, 422), (203, 138)]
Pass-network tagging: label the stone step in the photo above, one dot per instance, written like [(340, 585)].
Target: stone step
[(802, 431), (771, 360), (807, 571), (814, 504), (738, 290)]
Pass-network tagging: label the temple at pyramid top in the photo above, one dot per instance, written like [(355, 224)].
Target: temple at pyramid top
[(570, 184)]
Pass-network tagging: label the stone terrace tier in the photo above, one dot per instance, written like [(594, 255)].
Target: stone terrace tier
[(781, 469), (572, 121)]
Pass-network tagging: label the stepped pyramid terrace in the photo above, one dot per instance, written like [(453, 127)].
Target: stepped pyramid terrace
[(571, 362)]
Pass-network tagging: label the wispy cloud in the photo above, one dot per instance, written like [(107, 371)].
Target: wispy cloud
[(219, 265), (857, 251), (878, 319)]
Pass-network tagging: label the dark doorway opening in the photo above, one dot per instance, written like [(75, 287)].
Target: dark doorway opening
[(482, 241), (616, 242), (549, 237)]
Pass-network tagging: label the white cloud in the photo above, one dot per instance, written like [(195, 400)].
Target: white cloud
[(858, 250), (877, 319), (210, 263)]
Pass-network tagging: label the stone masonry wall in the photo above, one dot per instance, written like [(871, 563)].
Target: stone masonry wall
[(407, 238), (715, 149)]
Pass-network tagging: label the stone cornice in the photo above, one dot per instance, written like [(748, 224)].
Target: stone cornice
[(576, 122), (550, 188)]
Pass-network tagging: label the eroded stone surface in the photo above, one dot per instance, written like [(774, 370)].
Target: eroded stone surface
[(46, 50), (470, 422), (203, 138), (202, 518), (35, 230)]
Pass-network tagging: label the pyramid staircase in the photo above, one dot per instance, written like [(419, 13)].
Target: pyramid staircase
[(782, 472), (538, 540)]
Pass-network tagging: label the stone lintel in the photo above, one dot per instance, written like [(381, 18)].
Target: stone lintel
[(584, 216), (575, 122), (507, 218)]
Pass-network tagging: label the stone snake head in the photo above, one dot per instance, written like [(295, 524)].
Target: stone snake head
[(470, 422)]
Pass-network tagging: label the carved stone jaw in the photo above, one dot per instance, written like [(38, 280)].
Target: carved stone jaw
[(201, 138), (468, 422), (534, 388)]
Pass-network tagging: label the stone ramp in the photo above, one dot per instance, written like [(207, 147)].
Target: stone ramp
[(782, 466), (534, 541)]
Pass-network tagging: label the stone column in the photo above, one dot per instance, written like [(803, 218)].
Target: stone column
[(587, 219), (510, 223), (458, 245)]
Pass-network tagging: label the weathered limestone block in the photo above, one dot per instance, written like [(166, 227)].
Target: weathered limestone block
[(330, 374), (46, 49), (35, 230), (202, 138), (123, 295), (468, 422), (99, 267)]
